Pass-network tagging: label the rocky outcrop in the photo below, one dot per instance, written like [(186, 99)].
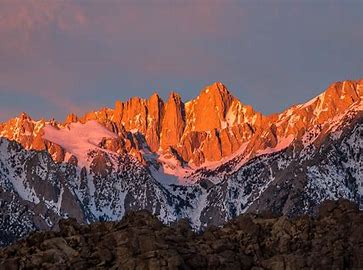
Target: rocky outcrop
[(173, 122), (331, 240), (155, 116), (209, 110), (71, 118)]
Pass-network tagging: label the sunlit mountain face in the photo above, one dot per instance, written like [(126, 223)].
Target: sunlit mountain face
[(207, 160), (160, 134)]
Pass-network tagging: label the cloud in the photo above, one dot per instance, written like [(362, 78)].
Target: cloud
[(51, 49), (81, 55)]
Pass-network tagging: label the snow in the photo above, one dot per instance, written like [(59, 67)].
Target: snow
[(310, 102), (78, 139), (18, 181), (197, 211), (311, 135), (286, 114), (224, 124), (326, 183), (254, 119), (231, 116), (59, 203), (164, 178), (171, 171), (67, 156), (336, 134), (360, 106)]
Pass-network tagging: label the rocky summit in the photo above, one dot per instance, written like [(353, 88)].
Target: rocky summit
[(331, 240), (208, 128), (207, 160)]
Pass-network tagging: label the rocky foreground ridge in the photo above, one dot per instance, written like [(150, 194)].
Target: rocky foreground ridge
[(331, 240)]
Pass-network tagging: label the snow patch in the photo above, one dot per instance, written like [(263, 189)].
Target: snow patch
[(78, 139), (171, 171)]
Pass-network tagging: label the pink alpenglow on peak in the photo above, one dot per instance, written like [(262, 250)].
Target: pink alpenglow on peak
[(78, 139)]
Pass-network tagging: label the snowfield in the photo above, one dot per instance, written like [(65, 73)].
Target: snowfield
[(78, 139)]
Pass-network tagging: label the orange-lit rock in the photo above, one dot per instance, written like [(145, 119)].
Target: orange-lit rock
[(211, 147), (173, 123), (209, 109), (71, 118), (155, 115), (134, 116), (190, 143), (212, 126)]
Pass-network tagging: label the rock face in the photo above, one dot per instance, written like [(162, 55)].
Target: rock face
[(332, 240), (172, 128), (34, 193), (173, 122), (147, 154), (209, 110)]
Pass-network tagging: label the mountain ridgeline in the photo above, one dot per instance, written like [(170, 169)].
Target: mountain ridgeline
[(207, 160)]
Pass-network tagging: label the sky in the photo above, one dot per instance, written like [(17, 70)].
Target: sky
[(62, 56)]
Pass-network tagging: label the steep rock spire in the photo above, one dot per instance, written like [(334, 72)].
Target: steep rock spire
[(173, 122), (155, 107)]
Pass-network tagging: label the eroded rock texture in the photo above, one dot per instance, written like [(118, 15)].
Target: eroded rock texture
[(331, 240)]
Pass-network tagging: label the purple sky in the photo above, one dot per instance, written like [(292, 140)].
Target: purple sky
[(74, 56)]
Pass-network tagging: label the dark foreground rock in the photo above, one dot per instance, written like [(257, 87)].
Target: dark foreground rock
[(332, 240)]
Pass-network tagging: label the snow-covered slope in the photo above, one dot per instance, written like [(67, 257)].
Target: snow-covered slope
[(33, 192), (294, 180), (78, 139)]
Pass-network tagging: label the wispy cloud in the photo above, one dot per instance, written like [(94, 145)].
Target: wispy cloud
[(50, 49), (77, 55)]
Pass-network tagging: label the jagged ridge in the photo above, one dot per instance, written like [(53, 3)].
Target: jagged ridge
[(289, 163), (209, 128)]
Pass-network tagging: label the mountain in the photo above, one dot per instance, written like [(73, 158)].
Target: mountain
[(207, 160)]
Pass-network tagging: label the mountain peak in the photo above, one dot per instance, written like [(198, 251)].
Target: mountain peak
[(24, 116), (154, 96), (71, 118), (229, 158), (209, 109), (214, 121), (173, 122), (174, 97), (216, 89)]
